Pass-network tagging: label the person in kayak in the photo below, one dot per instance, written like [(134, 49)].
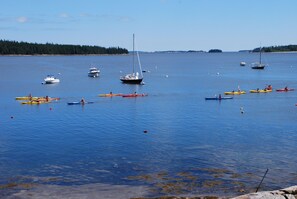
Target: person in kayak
[(220, 96), (82, 101), (269, 87), (286, 88)]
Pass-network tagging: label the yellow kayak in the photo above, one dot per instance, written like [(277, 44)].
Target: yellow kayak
[(28, 98), (260, 91), (235, 93), (110, 95), (35, 102)]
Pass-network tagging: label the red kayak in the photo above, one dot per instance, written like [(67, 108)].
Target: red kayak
[(285, 90), (134, 95)]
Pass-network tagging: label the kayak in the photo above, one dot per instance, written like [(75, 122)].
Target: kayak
[(37, 98), (27, 98), (110, 95), (217, 98), (35, 102), (134, 95), (260, 91), (79, 103), (235, 93), (285, 90)]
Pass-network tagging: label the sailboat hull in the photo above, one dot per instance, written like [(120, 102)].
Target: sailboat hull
[(259, 67), (132, 81)]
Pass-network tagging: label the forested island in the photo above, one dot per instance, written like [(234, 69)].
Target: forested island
[(287, 48), (25, 48), (215, 51)]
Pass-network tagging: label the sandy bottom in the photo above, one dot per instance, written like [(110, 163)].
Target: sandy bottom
[(90, 191)]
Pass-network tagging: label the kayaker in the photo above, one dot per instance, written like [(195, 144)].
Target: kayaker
[(82, 101), (257, 89), (110, 93), (46, 98), (269, 87), (220, 96), (286, 88)]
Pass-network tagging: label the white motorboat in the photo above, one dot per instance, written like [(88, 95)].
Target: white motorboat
[(93, 72), (50, 79), (242, 63)]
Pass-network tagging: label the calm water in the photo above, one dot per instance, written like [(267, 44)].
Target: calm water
[(206, 145)]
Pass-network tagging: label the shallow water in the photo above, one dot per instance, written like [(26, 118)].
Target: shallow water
[(206, 146)]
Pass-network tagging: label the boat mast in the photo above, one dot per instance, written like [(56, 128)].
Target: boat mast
[(133, 53), (260, 55)]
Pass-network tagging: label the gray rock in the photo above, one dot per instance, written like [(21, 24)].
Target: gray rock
[(287, 193)]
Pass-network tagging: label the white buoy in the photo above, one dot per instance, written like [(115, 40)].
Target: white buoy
[(166, 75)]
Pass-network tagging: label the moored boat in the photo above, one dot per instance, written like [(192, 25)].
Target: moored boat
[(134, 77), (93, 72), (242, 63), (259, 65), (50, 79)]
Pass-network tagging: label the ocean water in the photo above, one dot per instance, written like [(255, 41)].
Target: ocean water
[(172, 141)]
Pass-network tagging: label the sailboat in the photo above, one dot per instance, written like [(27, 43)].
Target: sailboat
[(134, 77), (259, 65)]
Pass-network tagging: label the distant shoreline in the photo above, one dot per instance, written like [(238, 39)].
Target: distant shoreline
[(48, 55), (156, 52)]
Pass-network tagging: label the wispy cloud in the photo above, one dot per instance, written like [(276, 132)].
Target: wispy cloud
[(64, 15), (22, 19)]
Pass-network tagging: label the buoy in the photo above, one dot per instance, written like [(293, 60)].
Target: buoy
[(241, 110), (145, 131), (11, 117)]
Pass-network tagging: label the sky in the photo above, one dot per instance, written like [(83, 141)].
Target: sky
[(158, 25)]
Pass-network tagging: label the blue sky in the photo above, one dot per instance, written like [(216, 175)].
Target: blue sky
[(229, 25)]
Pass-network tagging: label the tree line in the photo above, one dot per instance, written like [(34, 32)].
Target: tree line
[(25, 48), (287, 48)]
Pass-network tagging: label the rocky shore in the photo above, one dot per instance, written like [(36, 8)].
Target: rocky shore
[(287, 193), (105, 191)]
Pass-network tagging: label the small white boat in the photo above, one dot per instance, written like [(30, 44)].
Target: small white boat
[(242, 63), (50, 79), (93, 72)]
